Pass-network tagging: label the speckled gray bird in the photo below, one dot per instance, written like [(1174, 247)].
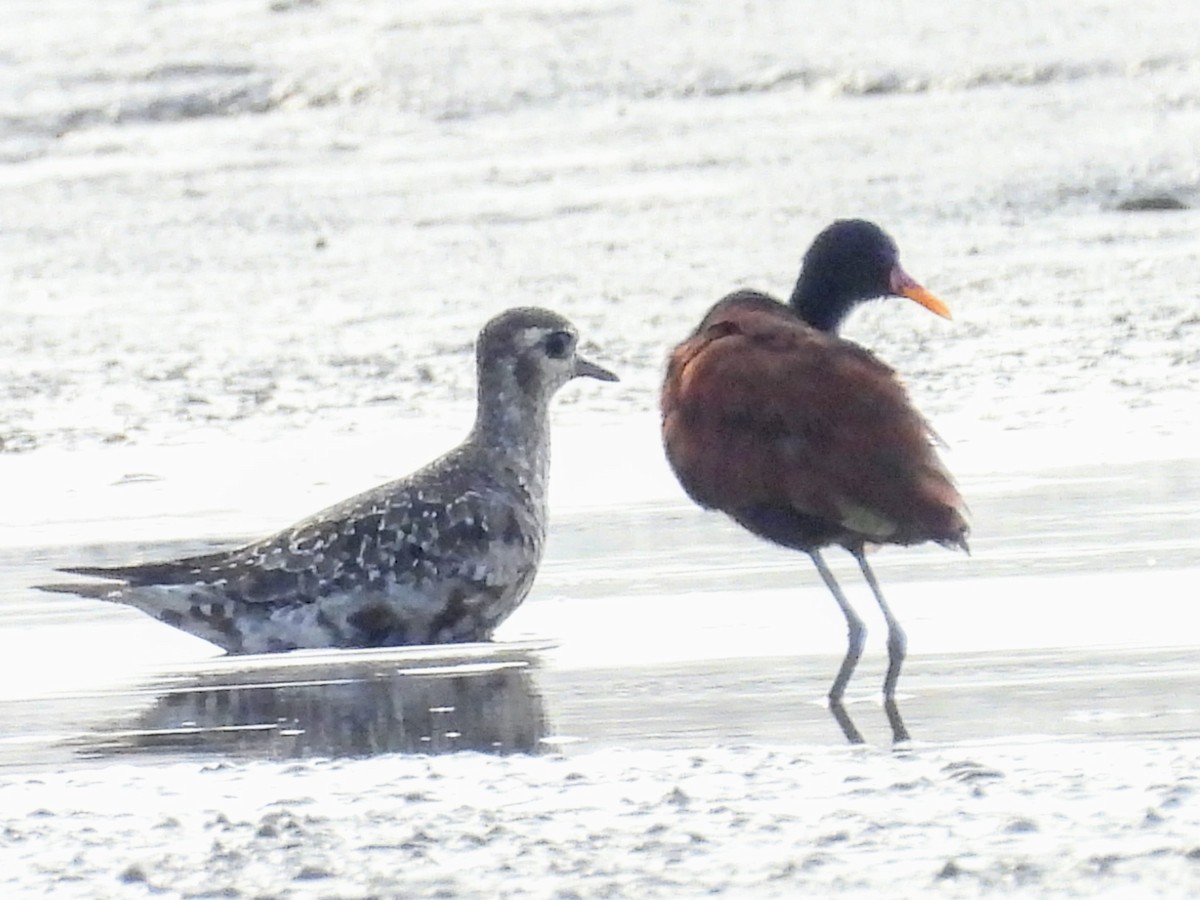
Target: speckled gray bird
[(442, 556)]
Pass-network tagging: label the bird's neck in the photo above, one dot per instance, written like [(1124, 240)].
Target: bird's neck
[(516, 427), (822, 302)]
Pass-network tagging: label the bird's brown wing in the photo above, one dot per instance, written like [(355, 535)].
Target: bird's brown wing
[(759, 409)]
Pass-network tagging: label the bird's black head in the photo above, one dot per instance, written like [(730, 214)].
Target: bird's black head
[(850, 262)]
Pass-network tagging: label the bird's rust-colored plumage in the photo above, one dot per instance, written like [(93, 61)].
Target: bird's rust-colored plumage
[(760, 410)]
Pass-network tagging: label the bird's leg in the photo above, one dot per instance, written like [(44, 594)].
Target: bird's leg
[(899, 732), (856, 630), (897, 644), (856, 637), (897, 641)]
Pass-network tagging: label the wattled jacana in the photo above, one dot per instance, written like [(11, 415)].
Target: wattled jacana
[(808, 440)]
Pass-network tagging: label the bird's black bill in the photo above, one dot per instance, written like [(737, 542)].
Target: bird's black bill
[(589, 369)]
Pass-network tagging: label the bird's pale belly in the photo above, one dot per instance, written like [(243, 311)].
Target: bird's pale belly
[(459, 610)]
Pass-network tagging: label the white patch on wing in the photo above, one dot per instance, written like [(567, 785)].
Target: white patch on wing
[(864, 521)]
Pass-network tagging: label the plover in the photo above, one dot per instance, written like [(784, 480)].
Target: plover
[(441, 556), (808, 440)]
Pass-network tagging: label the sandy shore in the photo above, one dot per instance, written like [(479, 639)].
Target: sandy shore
[(753, 821)]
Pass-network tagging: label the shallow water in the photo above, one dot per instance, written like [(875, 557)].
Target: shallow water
[(245, 248)]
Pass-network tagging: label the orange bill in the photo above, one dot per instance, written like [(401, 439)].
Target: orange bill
[(904, 285)]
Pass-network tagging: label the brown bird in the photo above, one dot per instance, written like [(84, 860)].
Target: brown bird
[(808, 440)]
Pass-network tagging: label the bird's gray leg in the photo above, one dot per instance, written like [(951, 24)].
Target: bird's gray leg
[(856, 637), (897, 644)]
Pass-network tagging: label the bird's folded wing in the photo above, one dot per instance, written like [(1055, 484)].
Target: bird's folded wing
[(763, 411), (376, 541)]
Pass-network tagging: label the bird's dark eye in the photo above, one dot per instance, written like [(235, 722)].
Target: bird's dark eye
[(558, 344)]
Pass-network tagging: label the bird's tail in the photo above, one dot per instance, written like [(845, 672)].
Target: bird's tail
[(96, 590)]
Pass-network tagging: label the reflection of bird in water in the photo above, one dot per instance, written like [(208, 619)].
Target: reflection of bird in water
[(808, 440), (442, 556), (339, 711)]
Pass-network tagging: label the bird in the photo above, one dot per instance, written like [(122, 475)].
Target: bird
[(441, 556), (808, 440)]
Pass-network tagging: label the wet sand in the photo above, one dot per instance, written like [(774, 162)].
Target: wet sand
[(737, 821), (662, 781)]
